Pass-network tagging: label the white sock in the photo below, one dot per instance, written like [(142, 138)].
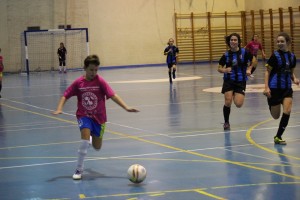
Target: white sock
[(60, 67), (65, 68), (82, 151)]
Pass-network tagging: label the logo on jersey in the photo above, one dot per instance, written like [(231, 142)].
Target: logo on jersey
[(89, 100)]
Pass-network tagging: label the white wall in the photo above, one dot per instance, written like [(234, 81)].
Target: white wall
[(17, 15), (122, 32), (270, 4), (135, 32)]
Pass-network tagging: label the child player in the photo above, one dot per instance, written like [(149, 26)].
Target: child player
[(171, 51), (91, 91), (253, 47), (279, 75)]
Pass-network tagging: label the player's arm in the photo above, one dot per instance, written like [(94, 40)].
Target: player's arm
[(177, 52), (60, 106), (267, 90), (293, 77), (222, 66), (1, 64), (262, 52), (251, 60), (118, 100), (167, 50)]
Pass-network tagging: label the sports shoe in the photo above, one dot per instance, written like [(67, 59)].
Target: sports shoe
[(77, 175), (226, 126), (65, 72), (277, 140)]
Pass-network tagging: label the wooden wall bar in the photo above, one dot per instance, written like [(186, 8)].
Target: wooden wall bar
[(200, 37)]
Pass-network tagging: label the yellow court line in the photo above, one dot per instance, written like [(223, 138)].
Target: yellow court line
[(168, 146), (144, 159), (184, 190), (40, 114), (206, 156), (158, 194), (82, 196), (209, 195), (249, 138)]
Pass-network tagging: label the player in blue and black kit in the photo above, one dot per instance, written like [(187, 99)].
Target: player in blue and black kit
[(236, 66), (279, 75), (61, 52), (171, 51)]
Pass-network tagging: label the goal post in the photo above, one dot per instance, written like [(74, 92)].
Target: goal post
[(39, 49)]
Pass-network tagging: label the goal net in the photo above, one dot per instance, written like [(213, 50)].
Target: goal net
[(39, 49)]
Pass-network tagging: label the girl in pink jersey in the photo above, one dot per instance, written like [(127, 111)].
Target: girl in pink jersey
[(91, 91), (253, 47), (1, 71)]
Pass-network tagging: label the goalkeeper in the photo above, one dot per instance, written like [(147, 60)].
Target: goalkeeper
[(62, 52)]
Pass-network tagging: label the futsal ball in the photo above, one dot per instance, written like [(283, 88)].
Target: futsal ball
[(136, 173)]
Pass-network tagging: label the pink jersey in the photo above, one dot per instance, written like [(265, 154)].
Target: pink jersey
[(254, 47), (91, 96), (1, 64)]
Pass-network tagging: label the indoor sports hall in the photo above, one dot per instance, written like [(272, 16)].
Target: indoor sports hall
[(178, 133)]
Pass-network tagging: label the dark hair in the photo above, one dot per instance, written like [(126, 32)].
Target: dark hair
[(62, 43), (229, 37), (254, 35), (286, 37), (91, 59)]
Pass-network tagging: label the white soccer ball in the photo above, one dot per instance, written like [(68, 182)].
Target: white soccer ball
[(136, 173)]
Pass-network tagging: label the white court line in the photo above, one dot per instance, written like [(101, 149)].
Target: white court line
[(28, 124), (256, 156), (215, 133), (138, 155), (159, 80), (41, 128), (37, 107), (166, 135)]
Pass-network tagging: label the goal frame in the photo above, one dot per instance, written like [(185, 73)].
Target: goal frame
[(25, 34)]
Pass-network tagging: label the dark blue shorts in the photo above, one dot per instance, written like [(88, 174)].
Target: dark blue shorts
[(278, 95), (236, 87), (96, 129)]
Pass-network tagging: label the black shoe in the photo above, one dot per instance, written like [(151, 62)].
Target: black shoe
[(226, 126)]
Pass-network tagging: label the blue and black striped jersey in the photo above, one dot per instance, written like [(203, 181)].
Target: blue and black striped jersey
[(280, 64), (238, 61)]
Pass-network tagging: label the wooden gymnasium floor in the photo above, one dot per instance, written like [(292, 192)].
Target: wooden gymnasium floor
[(177, 136)]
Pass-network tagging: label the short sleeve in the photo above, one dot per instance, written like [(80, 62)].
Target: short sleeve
[(272, 61), (106, 89), (222, 60), (294, 61), (166, 49), (71, 90), (248, 56)]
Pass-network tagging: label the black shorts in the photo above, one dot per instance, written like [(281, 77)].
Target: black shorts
[(170, 65), (62, 62), (235, 86), (278, 95)]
